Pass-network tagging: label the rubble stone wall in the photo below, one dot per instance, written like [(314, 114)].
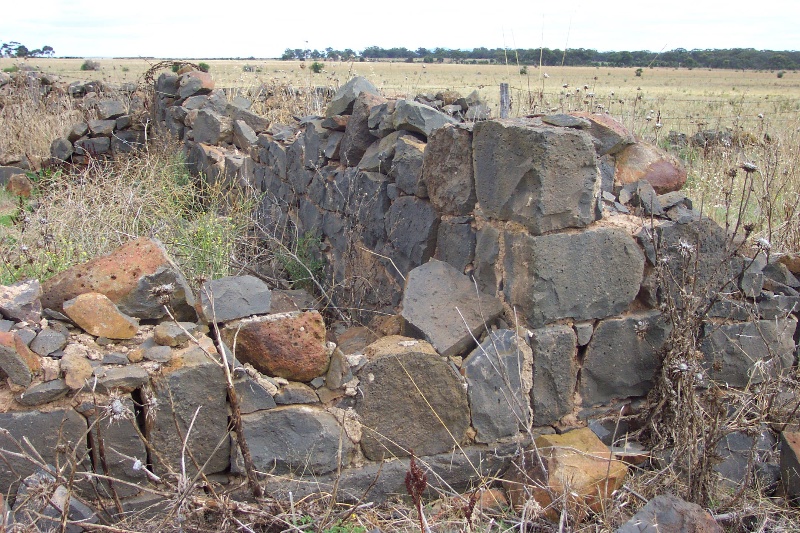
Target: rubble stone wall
[(520, 254)]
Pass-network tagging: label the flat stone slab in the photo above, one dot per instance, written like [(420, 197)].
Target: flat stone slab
[(281, 442), (555, 369), (592, 274), (98, 316), (622, 357), (411, 401), (234, 297), (437, 302), (670, 514)]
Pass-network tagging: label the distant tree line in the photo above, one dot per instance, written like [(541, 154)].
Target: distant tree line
[(734, 58), (15, 49)]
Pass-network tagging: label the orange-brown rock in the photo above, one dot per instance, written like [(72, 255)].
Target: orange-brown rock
[(609, 135), (98, 316), (642, 161), (17, 361), (126, 276), (577, 464), (76, 368), (354, 340), (397, 344), (792, 262), (288, 345), (20, 185)]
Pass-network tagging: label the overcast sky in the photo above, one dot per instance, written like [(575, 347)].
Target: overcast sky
[(265, 28)]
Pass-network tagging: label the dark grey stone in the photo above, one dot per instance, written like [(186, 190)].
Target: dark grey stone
[(379, 155), (790, 464), (110, 109), (116, 432), (487, 251), (54, 434), (752, 279), (232, 297), (77, 131), (544, 178), (193, 384), (583, 332), (670, 514), (555, 370), (243, 135), (345, 97), (592, 274), (93, 147), (123, 122), (411, 401), (455, 243), (622, 357), (122, 379), (101, 128), (115, 358), (140, 303), (778, 272), (447, 170), (407, 165), (369, 203), (256, 123), (20, 301), (296, 393), (316, 138), (411, 228), (748, 353), (740, 452), (419, 118), (772, 306), (380, 119), (124, 142), (159, 354), (42, 393), (357, 137), (333, 144), (563, 120), (297, 175), (438, 300), (252, 396), (296, 439), (61, 149), (498, 375), (212, 128)]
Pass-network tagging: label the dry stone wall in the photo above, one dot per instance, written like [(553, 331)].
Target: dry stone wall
[(519, 256)]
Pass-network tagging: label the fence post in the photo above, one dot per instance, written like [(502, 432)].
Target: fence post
[(505, 101)]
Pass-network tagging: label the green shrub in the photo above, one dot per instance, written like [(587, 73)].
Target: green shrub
[(523, 70), (12, 68), (301, 265), (316, 67), (204, 67), (639, 72), (90, 65), (781, 73), (176, 67)]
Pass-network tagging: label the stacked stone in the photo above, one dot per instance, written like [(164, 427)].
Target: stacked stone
[(118, 126)]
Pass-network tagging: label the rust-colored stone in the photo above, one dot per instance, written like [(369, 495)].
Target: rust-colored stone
[(577, 463), (610, 136), (98, 316), (289, 345), (120, 276), (792, 262), (17, 361), (20, 185), (642, 161), (397, 344)]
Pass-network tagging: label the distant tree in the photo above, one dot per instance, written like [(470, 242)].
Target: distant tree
[(15, 49), (288, 54)]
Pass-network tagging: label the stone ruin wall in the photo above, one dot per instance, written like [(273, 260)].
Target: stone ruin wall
[(539, 229)]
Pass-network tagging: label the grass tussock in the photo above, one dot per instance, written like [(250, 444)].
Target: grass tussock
[(80, 213)]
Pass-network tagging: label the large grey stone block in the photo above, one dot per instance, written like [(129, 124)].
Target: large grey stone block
[(499, 374), (592, 274), (53, 434), (411, 401), (191, 384), (233, 297), (555, 371), (447, 170), (411, 228), (345, 97), (296, 439), (622, 357), (444, 306), (419, 118), (749, 352), (543, 178)]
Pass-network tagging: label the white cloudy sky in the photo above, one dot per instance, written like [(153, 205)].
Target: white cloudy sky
[(264, 28)]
